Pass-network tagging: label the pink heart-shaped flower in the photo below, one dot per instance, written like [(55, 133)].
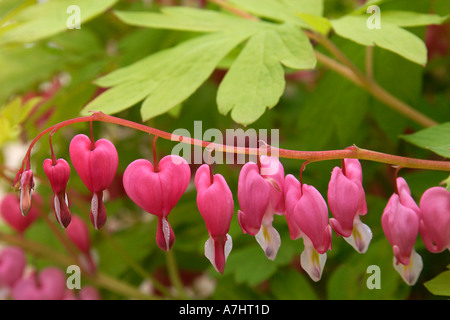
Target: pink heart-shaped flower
[(12, 265), (49, 284), (158, 191), (10, 212), (96, 164)]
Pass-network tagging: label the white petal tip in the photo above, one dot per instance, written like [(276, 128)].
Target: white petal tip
[(410, 273), (210, 251), (313, 262), (360, 237), (269, 240)]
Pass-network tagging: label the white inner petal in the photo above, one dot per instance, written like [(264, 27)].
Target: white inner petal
[(313, 262), (411, 272), (210, 251), (360, 237), (269, 240), (166, 231), (94, 209), (57, 209), (228, 246)]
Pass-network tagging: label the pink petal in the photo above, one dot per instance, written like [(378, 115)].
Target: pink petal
[(254, 196), (214, 201), (401, 226), (435, 219), (96, 167), (344, 201), (12, 265)]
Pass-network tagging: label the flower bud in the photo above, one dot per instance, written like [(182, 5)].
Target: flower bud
[(347, 201), (260, 195), (400, 222), (216, 205), (58, 174), (26, 186), (435, 219), (307, 217)]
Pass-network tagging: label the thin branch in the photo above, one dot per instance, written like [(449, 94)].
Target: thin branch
[(369, 62), (366, 82), (351, 152)]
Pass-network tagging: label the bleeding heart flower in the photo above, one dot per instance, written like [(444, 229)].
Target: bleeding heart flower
[(260, 195), (216, 205), (12, 266), (11, 213), (400, 222), (26, 186), (347, 201), (58, 174), (96, 164), (49, 284), (435, 219), (158, 191), (307, 217), (78, 233)]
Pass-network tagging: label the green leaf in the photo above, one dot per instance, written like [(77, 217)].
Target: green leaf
[(312, 7), (291, 285), (319, 24), (249, 265), (295, 51), (164, 79), (440, 285), (389, 37), (411, 19), (43, 20), (185, 19), (255, 81), (349, 280), (271, 9), (12, 115), (436, 139)]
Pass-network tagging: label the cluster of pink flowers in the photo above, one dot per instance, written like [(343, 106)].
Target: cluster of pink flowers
[(263, 191), (50, 282), (46, 284)]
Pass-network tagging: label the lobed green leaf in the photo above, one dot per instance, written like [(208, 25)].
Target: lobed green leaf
[(43, 20), (436, 139), (389, 36), (185, 19), (167, 78)]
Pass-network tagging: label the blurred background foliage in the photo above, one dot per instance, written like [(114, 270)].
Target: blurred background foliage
[(50, 80)]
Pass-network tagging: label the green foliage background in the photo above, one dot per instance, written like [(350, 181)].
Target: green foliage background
[(165, 72)]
